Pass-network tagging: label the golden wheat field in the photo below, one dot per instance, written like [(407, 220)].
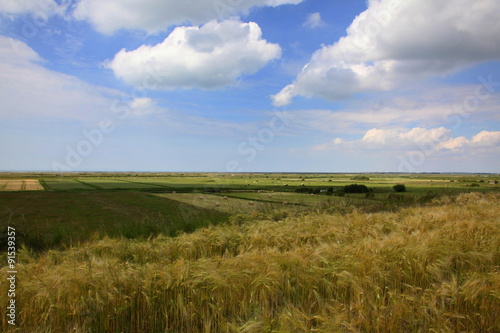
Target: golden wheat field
[(20, 185), (421, 269)]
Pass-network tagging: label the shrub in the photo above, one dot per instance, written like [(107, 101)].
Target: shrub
[(399, 188), (355, 188)]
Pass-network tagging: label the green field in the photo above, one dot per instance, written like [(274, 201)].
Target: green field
[(171, 252), (47, 220), (65, 185)]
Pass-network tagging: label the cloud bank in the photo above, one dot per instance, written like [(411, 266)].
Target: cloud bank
[(394, 42), (431, 141)]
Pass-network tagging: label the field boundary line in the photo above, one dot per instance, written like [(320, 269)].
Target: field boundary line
[(260, 200), (88, 184), (143, 183), (44, 185)]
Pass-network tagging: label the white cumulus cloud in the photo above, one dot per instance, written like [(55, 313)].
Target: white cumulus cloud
[(108, 16), (394, 42), (483, 141), (396, 138), (431, 141), (208, 57)]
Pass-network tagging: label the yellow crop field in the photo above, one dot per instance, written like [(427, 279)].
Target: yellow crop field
[(12, 185), (20, 185), (33, 185)]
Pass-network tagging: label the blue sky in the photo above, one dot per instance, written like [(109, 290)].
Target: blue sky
[(250, 85)]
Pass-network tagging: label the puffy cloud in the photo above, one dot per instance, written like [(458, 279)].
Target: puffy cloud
[(486, 139), (430, 141), (314, 21), (396, 138), (393, 42), (453, 144), (208, 57), (107, 16)]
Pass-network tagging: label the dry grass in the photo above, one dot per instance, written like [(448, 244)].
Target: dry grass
[(423, 269)]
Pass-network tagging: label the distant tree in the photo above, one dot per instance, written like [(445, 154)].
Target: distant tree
[(360, 178), (399, 188), (355, 188)]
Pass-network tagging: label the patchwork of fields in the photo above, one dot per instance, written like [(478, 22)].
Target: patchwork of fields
[(212, 182)]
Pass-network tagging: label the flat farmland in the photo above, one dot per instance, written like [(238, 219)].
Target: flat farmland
[(20, 185), (229, 247)]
